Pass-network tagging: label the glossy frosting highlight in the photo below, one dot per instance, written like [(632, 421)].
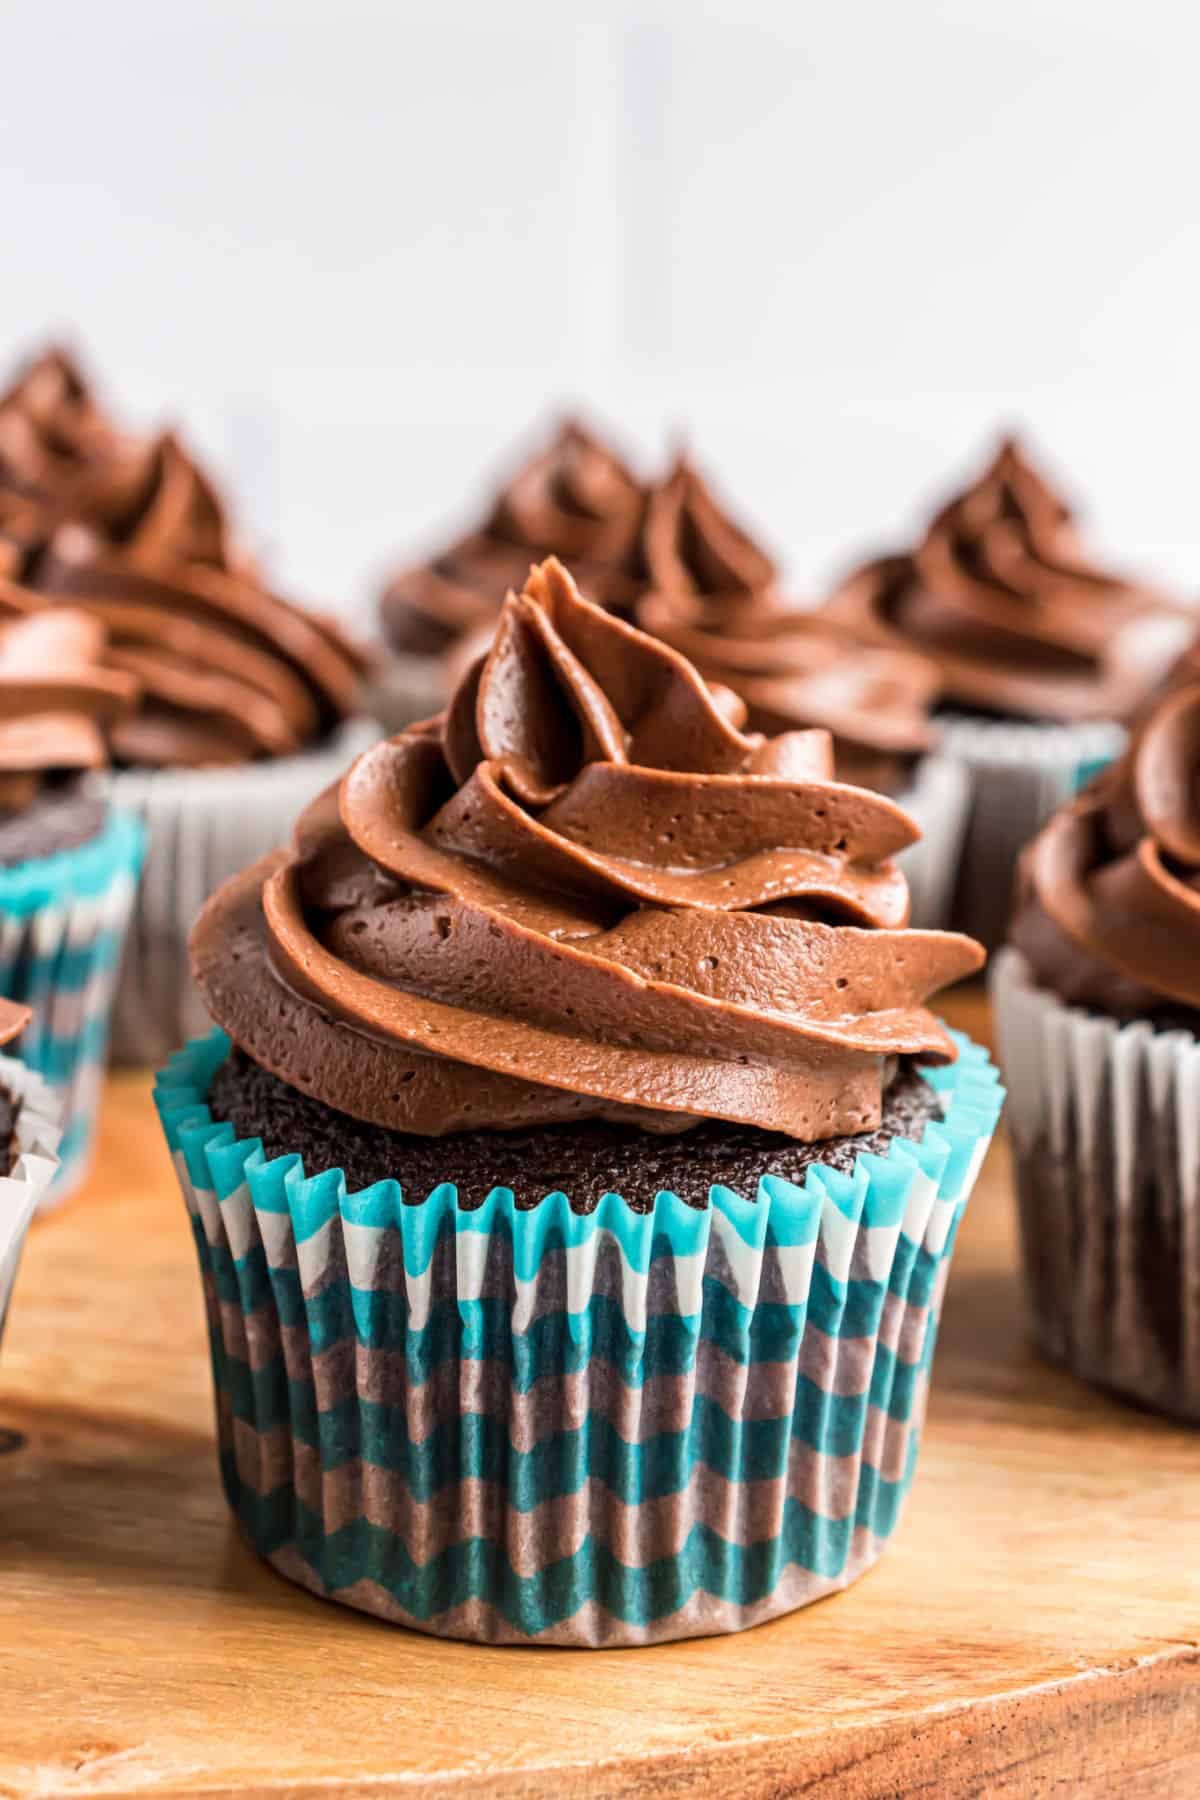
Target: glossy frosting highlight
[(714, 596), (584, 892), (576, 499), (1108, 911), (1019, 619)]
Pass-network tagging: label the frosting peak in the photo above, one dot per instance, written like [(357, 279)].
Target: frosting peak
[(692, 544), (584, 892), (1108, 908), (1011, 532), (1019, 619), (166, 508), (54, 437), (714, 597), (576, 499)]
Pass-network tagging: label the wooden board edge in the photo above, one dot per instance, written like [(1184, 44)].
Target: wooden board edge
[(1136, 1728)]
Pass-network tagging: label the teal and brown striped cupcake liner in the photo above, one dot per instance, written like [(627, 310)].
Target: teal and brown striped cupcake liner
[(547, 1426)]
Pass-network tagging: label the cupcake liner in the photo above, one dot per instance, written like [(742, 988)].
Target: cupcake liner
[(937, 803), (405, 689), (203, 825), (1019, 773), (36, 1136), (549, 1427), (1105, 1122), (63, 919)]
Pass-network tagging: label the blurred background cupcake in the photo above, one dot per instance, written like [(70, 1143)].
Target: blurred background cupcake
[(714, 594), (576, 498), (633, 1278), (247, 704), (1043, 656), (29, 1136), (69, 861), (1097, 1012)]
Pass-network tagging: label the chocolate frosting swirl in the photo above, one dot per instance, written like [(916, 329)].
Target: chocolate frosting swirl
[(165, 508), (583, 892), (56, 442), (1019, 620), (714, 597), (56, 701), (1108, 905), (22, 534), (576, 499), (228, 671)]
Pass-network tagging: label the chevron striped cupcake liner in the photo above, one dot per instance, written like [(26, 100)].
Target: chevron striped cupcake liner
[(550, 1427), (1105, 1122), (63, 920), (202, 826), (33, 1160), (1018, 772)]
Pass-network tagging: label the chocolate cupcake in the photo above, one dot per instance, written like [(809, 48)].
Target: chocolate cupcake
[(29, 1136), (576, 499), (576, 1170), (1042, 655), (1097, 1010), (247, 703), (714, 595), (68, 862)]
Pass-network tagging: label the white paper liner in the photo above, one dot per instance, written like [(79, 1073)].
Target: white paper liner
[(36, 1135), (1105, 1120), (1019, 772), (937, 803), (203, 826)]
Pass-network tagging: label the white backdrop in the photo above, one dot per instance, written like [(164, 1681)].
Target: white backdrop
[(360, 247)]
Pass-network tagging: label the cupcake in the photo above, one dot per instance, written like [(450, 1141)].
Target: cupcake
[(714, 595), (247, 704), (1097, 1012), (29, 1135), (1042, 655), (575, 1173), (68, 862), (576, 499)]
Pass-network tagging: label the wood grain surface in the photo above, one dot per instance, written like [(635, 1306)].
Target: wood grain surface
[(1034, 1628)]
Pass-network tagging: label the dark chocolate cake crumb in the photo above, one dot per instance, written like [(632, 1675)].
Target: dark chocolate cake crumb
[(62, 818), (8, 1127), (585, 1161)]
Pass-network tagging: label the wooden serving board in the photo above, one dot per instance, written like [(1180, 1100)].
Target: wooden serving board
[(1034, 1628)]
